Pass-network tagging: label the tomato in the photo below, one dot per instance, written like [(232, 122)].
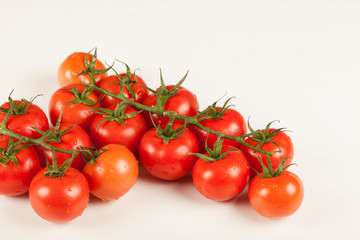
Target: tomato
[(72, 113), (74, 64), (222, 179), (15, 180), (75, 138), (59, 199), (169, 161), (184, 103), (231, 123), (113, 174), (127, 134), (283, 150), (112, 84), (276, 197), (25, 121)]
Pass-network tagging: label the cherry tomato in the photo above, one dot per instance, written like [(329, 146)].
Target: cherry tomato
[(169, 161), (276, 197), (15, 180), (75, 138), (127, 134), (231, 123), (72, 113), (59, 199), (223, 179), (283, 150), (112, 84), (74, 64), (25, 123), (113, 174), (184, 103)]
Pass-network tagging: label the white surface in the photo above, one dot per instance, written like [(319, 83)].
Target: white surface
[(296, 61)]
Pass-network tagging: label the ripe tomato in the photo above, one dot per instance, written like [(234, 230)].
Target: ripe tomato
[(231, 123), (113, 174), (285, 149), (15, 180), (169, 161), (112, 84), (25, 122), (127, 134), (59, 199), (73, 113), (75, 64), (75, 138), (223, 179), (184, 103), (276, 197)]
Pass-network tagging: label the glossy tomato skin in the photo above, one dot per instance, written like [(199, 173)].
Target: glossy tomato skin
[(15, 180), (184, 103), (72, 113), (276, 197), (114, 173), (232, 123), (59, 199), (128, 134), (169, 161), (109, 84), (75, 138), (24, 124), (73, 65), (223, 179), (286, 147)]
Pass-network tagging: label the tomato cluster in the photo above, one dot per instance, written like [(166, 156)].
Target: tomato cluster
[(104, 125)]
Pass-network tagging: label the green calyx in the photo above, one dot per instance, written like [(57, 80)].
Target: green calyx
[(211, 112), (81, 97), (264, 136), (16, 109), (216, 153), (168, 133), (9, 153), (268, 171), (90, 155), (117, 115), (90, 67), (54, 170)]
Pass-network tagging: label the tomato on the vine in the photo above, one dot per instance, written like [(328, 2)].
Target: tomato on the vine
[(113, 173), (73, 106), (276, 197), (74, 64), (59, 199), (15, 178), (171, 160), (113, 85), (184, 103), (69, 137), (222, 179), (115, 129), (230, 122), (26, 117), (271, 140)]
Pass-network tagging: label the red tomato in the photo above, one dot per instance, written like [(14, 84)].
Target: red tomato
[(223, 179), (75, 138), (231, 123), (286, 151), (25, 123), (184, 103), (114, 173), (109, 84), (59, 199), (127, 134), (72, 113), (276, 197), (169, 161), (15, 180), (75, 64)]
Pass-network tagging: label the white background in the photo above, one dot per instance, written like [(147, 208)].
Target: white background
[(295, 61)]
